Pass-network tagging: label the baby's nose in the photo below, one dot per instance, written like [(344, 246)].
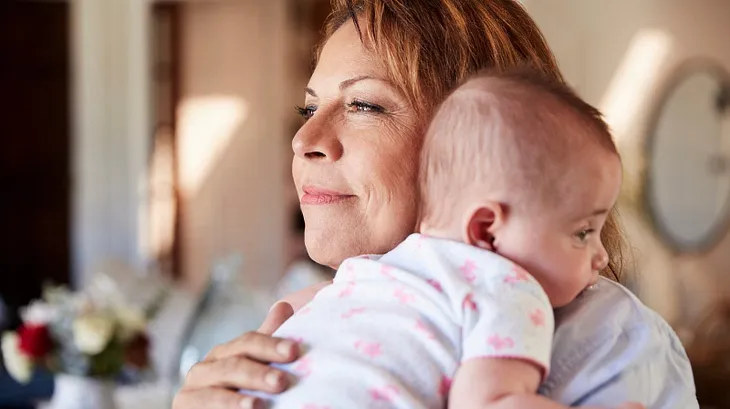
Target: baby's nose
[(600, 259)]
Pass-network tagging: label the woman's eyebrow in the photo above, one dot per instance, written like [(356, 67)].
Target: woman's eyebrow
[(348, 83)]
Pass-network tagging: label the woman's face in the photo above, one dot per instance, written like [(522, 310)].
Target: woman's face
[(356, 157)]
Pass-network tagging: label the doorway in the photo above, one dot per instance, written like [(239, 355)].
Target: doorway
[(34, 158)]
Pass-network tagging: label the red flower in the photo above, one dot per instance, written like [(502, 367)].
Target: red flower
[(136, 352), (35, 341)]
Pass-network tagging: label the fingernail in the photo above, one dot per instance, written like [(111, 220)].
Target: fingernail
[(273, 378), (274, 306), (284, 348), (248, 402)]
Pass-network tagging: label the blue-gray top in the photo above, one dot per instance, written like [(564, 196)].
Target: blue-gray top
[(609, 348)]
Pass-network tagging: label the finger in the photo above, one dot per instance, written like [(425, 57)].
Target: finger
[(302, 297), (236, 373), (260, 347), (279, 313), (211, 398)]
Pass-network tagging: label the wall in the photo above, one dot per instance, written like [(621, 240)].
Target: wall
[(233, 124), (593, 40), (234, 121), (110, 133)]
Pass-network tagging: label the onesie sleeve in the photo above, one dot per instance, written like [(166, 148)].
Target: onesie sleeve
[(510, 317)]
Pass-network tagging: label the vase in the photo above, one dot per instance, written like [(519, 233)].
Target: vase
[(78, 392)]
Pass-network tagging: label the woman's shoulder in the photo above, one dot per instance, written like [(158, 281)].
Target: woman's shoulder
[(607, 308), (609, 345)]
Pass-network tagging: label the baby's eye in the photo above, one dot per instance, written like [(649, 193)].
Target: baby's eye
[(583, 234)]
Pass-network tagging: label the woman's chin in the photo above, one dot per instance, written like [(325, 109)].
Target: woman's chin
[(328, 260), (328, 249)]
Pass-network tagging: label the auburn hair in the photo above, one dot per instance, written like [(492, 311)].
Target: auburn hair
[(428, 47)]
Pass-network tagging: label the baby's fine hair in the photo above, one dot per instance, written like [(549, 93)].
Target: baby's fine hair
[(514, 133)]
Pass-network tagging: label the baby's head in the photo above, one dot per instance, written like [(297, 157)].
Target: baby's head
[(520, 165)]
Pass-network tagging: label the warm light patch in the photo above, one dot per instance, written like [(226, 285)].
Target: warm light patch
[(206, 125), (634, 79), (162, 200)]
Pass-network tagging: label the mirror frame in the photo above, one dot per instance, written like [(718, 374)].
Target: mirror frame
[(721, 229)]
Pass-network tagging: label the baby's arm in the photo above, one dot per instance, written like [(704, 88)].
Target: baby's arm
[(508, 329), (498, 383)]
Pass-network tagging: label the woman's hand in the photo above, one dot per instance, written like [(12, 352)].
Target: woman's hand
[(243, 363), (300, 298), (212, 383)]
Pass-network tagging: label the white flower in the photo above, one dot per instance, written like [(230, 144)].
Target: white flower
[(81, 303), (19, 366), (132, 321), (39, 313), (92, 332)]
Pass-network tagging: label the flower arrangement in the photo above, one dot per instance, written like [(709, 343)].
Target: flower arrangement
[(78, 334)]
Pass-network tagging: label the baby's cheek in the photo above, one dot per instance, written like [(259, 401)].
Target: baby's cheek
[(557, 274), (571, 281)]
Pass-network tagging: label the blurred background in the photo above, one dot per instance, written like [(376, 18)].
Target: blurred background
[(151, 139)]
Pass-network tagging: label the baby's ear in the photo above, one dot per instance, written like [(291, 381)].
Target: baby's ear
[(482, 224)]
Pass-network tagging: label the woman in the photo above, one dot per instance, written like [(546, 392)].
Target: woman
[(383, 68)]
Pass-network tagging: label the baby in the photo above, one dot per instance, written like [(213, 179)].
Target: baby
[(518, 176)]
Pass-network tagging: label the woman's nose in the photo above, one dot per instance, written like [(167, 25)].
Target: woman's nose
[(600, 259), (317, 140)]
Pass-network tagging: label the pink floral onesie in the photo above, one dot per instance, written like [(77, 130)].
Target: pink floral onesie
[(393, 329)]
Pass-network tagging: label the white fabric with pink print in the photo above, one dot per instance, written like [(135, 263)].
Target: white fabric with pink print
[(392, 330)]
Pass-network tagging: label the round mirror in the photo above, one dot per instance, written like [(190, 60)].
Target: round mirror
[(688, 173)]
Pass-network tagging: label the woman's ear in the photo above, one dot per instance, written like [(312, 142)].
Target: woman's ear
[(482, 225)]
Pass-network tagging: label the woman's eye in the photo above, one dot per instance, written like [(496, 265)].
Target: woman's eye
[(362, 106), (583, 234), (306, 112)]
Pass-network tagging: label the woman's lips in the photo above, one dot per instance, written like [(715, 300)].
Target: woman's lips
[(319, 196)]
